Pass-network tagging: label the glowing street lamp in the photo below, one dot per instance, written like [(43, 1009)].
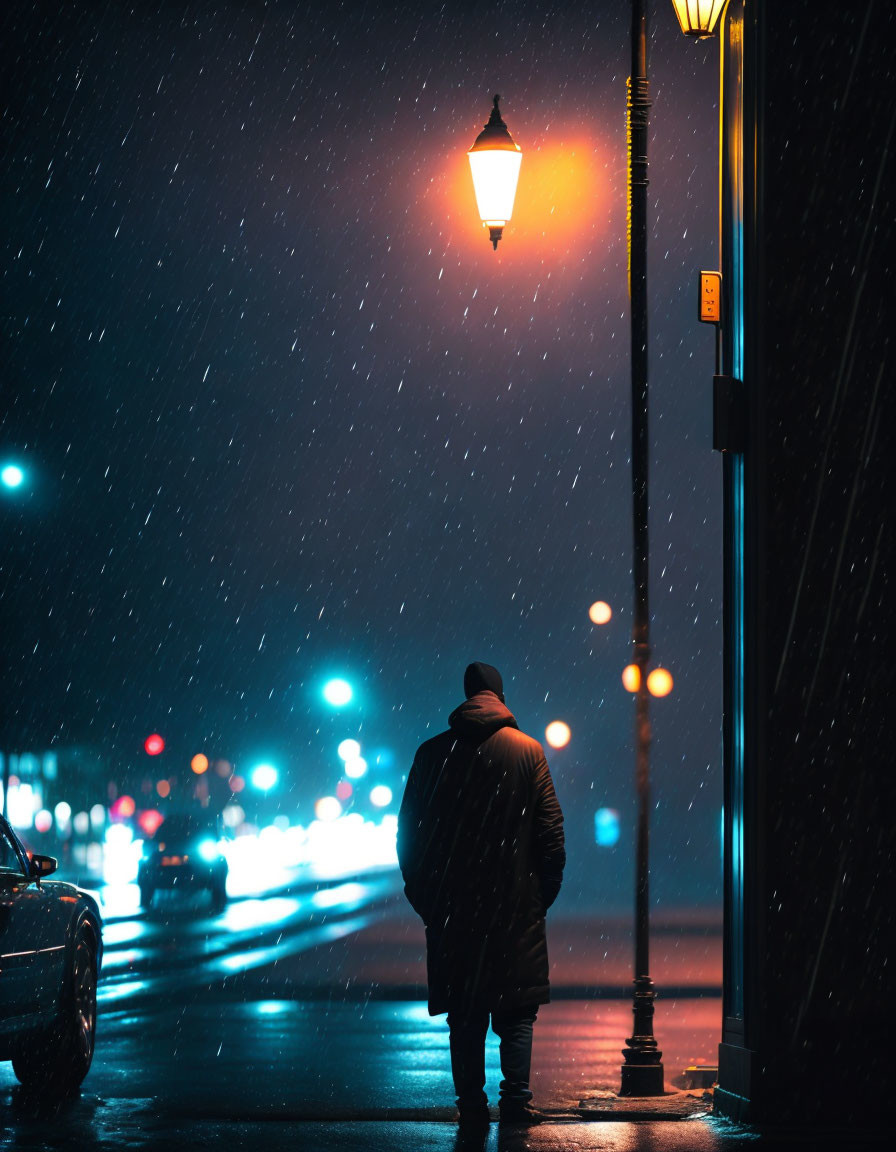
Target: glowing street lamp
[(495, 164), (698, 17)]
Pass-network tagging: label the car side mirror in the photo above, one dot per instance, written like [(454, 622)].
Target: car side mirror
[(43, 866)]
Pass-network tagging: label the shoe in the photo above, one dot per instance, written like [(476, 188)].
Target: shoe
[(473, 1116), (523, 1114)]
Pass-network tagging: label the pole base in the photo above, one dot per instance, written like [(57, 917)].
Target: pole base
[(495, 234), (642, 1080)]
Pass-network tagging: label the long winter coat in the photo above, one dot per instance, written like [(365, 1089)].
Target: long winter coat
[(480, 845)]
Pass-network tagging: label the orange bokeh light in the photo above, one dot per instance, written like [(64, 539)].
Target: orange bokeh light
[(600, 612), (163, 788), (557, 734), (125, 807), (631, 677), (659, 682), (199, 763)]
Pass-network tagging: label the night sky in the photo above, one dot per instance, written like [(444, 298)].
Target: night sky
[(286, 415)]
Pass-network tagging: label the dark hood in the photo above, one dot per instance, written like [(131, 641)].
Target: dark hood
[(480, 717)]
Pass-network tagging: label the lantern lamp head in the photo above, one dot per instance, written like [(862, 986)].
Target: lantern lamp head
[(495, 165), (698, 18)]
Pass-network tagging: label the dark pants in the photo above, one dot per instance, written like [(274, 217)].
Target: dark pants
[(467, 1038)]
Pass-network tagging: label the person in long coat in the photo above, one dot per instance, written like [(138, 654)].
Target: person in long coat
[(481, 851)]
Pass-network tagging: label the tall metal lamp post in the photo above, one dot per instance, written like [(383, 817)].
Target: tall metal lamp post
[(642, 1070)]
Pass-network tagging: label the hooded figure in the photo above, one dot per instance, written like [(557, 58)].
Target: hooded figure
[(480, 846)]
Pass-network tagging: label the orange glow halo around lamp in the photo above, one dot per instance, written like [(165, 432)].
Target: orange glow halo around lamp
[(495, 164), (698, 17)]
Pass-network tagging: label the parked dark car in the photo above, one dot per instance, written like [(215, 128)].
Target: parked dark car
[(51, 949), (185, 853)]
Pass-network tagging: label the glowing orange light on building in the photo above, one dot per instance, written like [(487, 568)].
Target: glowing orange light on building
[(163, 788), (659, 682), (600, 612), (199, 763), (631, 677)]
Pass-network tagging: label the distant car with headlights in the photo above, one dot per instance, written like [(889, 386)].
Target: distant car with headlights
[(51, 949), (185, 853)]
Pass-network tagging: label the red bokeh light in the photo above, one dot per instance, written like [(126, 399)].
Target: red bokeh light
[(344, 790), (149, 821), (154, 744), (123, 808)]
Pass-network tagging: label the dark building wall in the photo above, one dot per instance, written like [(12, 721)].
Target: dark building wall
[(808, 225)]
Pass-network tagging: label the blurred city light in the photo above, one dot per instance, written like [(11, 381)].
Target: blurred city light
[(237, 783), (149, 821), (81, 823), (264, 777), (199, 763), (62, 812), (121, 858), (12, 476), (659, 682), (20, 804), (344, 790), (606, 827), (163, 788), (327, 809), (557, 734), (600, 612), (233, 816), (208, 850), (154, 744), (123, 808), (631, 677), (43, 820), (97, 816), (355, 768), (381, 796), (349, 750), (337, 692)]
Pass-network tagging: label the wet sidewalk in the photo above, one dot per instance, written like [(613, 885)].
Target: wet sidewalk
[(325, 1076)]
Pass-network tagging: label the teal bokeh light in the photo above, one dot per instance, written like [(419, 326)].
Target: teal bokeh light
[(12, 476), (338, 692), (606, 827), (264, 777)]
